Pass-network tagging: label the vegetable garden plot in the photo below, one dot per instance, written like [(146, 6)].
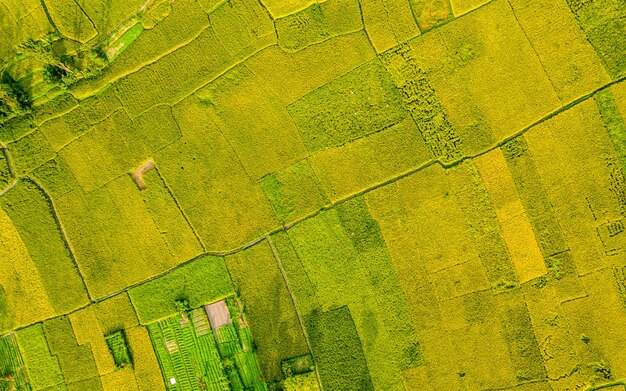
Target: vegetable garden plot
[(195, 357)]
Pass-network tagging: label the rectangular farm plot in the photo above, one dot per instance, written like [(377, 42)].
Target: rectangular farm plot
[(460, 7), (370, 160), (255, 122), (294, 191), (269, 308), (210, 183), (576, 160), (388, 23), (34, 217), (204, 280), (516, 228), (337, 351), (114, 237), (24, 296), (603, 23), (567, 56), (503, 96), (43, 368), (13, 372), (293, 75), (358, 103)]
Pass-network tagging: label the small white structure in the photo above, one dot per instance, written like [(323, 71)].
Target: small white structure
[(172, 381), (218, 314)]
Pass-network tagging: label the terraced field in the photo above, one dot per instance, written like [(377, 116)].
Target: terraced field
[(313, 195)]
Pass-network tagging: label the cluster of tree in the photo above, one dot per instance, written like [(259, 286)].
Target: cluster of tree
[(14, 100), (59, 70), (64, 69)]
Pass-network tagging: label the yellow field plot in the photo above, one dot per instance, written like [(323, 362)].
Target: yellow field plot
[(293, 75), (71, 20), (587, 326), (567, 56), (317, 23), (408, 211), (22, 20), (459, 280), (460, 7), (109, 154), (388, 22), (503, 96), (88, 332), (575, 159), (430, 13), (441, 369), (281, 8), (609, 309), (556, 342), (483, 355), (242, 26), (252, 118), (120, 380), (107, 15), (62, 130), (146, 366), (114, 237), (355, 166), (176, 231), (116, 313), (516, 229), (25, 293), (203, 172)]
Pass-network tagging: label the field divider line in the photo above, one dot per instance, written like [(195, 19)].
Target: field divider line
[(57, 220), (182, 212), (295, 306)]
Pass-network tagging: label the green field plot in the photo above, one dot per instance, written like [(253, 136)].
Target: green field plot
[(13, 373), (294, 191), (195, 357), (603, 23), (43, 368), (157, 299), (119, 350), (359, 103), (337, 350)]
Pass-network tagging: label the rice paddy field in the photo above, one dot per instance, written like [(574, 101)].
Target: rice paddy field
[(312, 195)]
